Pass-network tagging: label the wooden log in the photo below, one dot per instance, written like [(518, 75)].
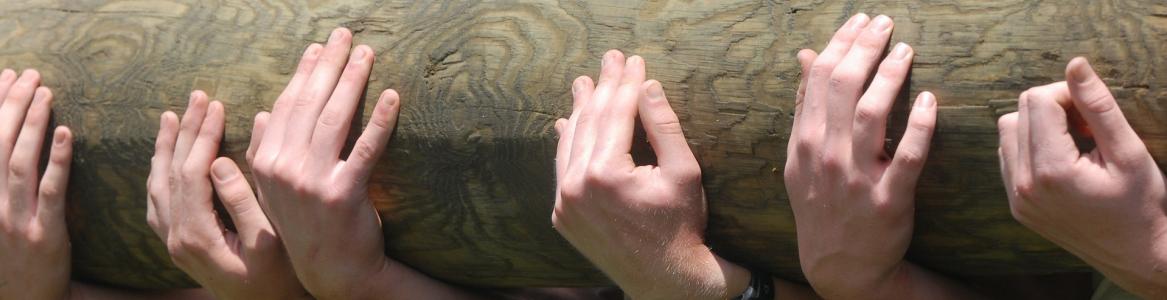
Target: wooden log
[(467, 187)]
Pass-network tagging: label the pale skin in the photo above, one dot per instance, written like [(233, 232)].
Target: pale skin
[(1106, 205), (853, 205), (310, 194), (33, 237), (643, 226), (249, 263)]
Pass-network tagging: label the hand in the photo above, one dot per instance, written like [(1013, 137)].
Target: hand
[(1107, 205), (853, 206), (318, 202), (642, 225), (34, 243), (248, 264)]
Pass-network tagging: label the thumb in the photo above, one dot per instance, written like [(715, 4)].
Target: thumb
[(239, 199), (1113, 135)]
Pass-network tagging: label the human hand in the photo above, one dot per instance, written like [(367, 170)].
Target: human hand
[(642, 225), (1107, 205), (33, 238), (247, 264), (318, 202), (853, 205)]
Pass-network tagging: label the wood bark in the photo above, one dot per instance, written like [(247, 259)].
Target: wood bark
[(467, 187)]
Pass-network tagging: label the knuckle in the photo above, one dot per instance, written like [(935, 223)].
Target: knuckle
[(1100, 102), (50, 191), (832, 162), (268, 244), (19, 169), (867, 114), (191, 173), (821, 66), (362, 150), (911, 158), (845, 78), (330, 118), (670, 126), (571, 190), (597, 175)]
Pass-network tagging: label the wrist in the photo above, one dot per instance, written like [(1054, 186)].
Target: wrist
[(695, 272), (859, 282)]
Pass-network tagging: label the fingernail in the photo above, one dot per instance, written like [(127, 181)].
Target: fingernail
[(222, 171), (59, 139), (1083, 73), (860, 21), (926, 100), (881, 24), (312, 50), (391, 101), (335, 35), (604, 60), (655, 91), (901, 51), (635, 59), (359, 53), (575, 87), (7, 74)]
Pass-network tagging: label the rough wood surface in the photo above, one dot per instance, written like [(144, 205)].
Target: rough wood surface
[(466, 191)]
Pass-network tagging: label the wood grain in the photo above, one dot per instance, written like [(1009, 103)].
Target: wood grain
[(466, 190)]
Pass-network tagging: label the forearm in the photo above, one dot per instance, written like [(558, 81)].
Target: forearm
[(1143, 277), (694, 273), (84, 291), (398, 281), (789, 290), (909, 281)]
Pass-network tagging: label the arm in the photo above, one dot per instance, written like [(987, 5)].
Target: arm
[(1105, 206), (318, 202), (853, 206), (643, 226)]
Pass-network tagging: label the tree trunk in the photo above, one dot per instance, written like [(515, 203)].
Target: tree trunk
[(467, 187)]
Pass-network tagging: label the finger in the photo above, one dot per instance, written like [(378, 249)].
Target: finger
[(158, 183), (1007, 149), (371, 144), (870, 125), (806, 59), (195, 207), (239, 200), (51, 207), (614, 139), (319, 88), (848, 79), (587, 125), (22, 168), (1114, 137), (192, 120), (333, 126), (13, 112), (1050, 144), (909, 158), (581, 93), (665, 133), (1022, 174), (811, 119), (7, 79), (273, 137), (257, 133)]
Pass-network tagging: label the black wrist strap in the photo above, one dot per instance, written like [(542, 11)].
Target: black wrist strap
[(761, 287)]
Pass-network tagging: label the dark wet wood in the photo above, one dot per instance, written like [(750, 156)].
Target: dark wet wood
[(466, 190)]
